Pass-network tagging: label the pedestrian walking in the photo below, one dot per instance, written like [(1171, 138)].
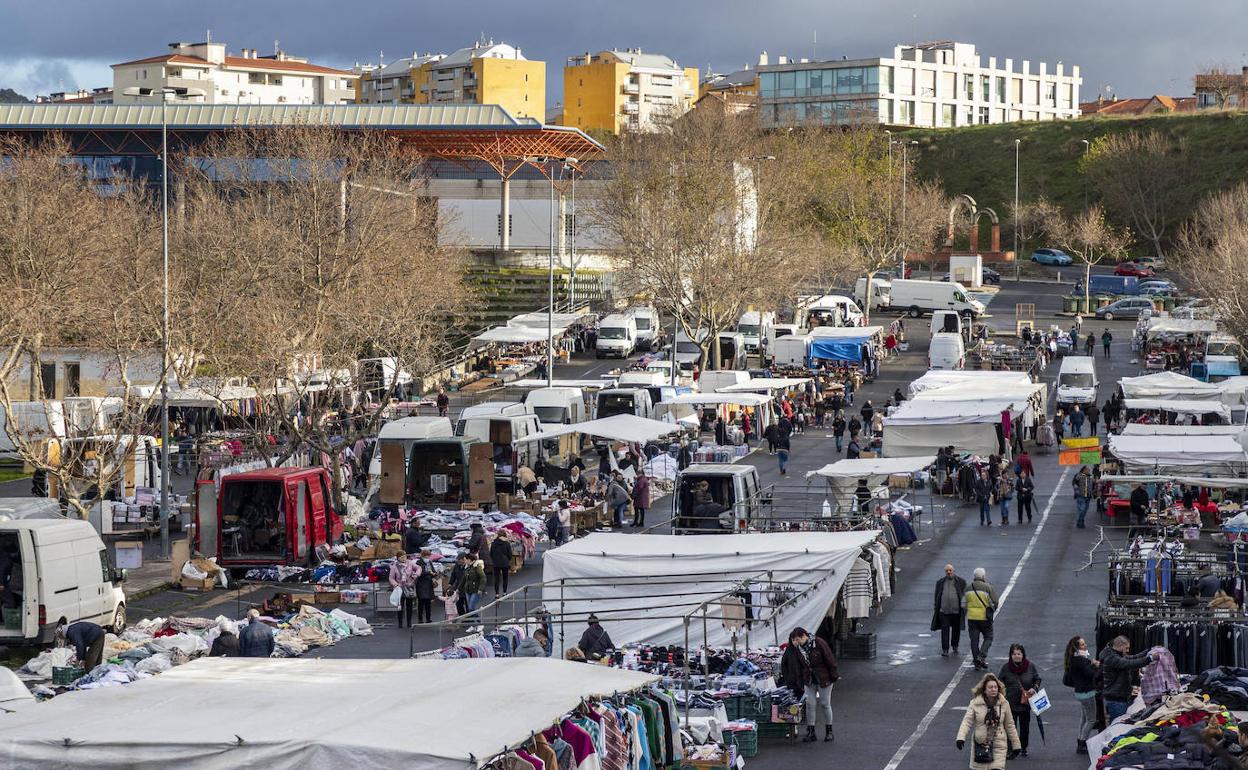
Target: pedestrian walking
[(1026, 491), (983, 496), (1093, 413), (1120, 671), (424, 587), (500, 561), (988, 725), (1076, 420), (443, 402), (979, 604), (769, 433), (1005, 494), (471, 582), (867, 411), (1080, 676), (1085, 490), (782, 452), (1106, 339), (641, 499), (947, 614), (1021, 680), (402, 578), (877, 424), (808, 668), (618, 498), (854, 450), (855, 426), (838, 429)]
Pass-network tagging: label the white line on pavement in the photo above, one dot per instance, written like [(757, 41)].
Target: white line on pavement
[(930, 716)]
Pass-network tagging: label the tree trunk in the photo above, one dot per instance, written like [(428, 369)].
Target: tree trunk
[(1087, 286), (866, 310)]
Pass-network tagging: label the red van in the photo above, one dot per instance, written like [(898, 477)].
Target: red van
[(268, 516)]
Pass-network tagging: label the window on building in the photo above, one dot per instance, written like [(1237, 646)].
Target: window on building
[(767, 84), (816, 82), (275, 80), (569, 226), (47, 381), (255, 78), (801, 83), (886, 80), (144, 74), (73, 379), (907, 113), (968, 116), (1000, 89), (968, 87), (946, 115), (786, 84), (985, 87), (174, 72), (871, 79), (983, 116)]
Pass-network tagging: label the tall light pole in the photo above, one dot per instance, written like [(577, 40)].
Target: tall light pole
[(1017, 267), (572, 244), (889, 135), (550, 308), (164, 94), (905, 172), (1086, 146)]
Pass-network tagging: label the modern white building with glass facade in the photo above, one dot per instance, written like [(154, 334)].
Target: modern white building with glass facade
[(939, 85)]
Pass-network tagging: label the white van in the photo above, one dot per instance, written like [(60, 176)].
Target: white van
[(712, 381), (755, 328), (617, 336), (731, 351), (505, 425), (792, 350), (832, 310), (946, 352), (36, 422), (91, 415), (635, 401), (1076, 381), (405, 431), (781, 330), (66, 576), (919, 297), (734, 491), (557, 406), (946, 321), (647, 322), (881, 293), (640, 378)]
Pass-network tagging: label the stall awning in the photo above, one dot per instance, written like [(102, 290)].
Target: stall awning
[(940, 378), (846, 332), (597, 564), (310, 713), (1157, 326), (1136, 429), (1177, 451), (582, 384), (560, 321), (510, 335), (1198, 481), (765, 384), (880, 466), (953, 412), (620, 427), (741, 399), (1168, 385), (1180, 406), (205, 397)]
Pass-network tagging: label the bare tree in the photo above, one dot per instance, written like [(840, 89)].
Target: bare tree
[(696, 217), (1088, 238), (1031, 220), (1224, 82), (1210, 250), (1143, 177), (314, 256)]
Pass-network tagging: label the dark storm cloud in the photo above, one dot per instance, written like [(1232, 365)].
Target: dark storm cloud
[(1138, 47)]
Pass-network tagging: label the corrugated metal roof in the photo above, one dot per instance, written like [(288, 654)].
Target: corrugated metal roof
[(409, 116)]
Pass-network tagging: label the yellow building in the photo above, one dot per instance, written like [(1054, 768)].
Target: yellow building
[(488, 73), (615, 90)]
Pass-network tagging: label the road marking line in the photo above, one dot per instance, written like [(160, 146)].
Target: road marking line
[(930, 716)]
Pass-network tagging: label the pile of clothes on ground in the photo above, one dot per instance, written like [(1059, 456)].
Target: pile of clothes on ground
[(154, 646), (1194, 728)]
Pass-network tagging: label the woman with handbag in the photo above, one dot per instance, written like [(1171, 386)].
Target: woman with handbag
[(1081, 677), (1021, 680), (988, 725)]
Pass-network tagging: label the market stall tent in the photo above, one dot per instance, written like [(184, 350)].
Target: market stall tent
[(841, 343), (1169, 385), (309, 713), (605, 573), (1138, 429), (619, 427), (511, 335), (1159, 326), (1179, 406), (765, 385), (1218, 454), (940, 378), (843, 475)]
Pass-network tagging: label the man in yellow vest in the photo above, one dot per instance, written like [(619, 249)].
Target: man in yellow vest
[(979, 603)]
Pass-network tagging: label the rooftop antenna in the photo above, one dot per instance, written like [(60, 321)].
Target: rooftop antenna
[(381, 58), (276, 50), (814, 45), (209, 37)]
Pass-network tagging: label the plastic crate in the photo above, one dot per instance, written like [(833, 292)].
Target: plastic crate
[(12, 620), (732, 706), (858, 647), (66, 675), (746, 741), (777, 731), (754, 707)]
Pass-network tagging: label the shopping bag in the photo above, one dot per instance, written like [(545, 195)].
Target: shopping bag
[(1040, 702), (396, 597)]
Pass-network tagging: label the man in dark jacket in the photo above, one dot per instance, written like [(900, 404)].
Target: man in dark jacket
[(414, 538), (256, 640), (226, 643), (500, 559), (87, 639), (947, 614), (1120, 670), (595, 642), (1093, 413), (1085, 490), (1139, 504), (983, 496)]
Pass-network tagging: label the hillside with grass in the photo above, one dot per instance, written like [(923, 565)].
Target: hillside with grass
[(979, 160)]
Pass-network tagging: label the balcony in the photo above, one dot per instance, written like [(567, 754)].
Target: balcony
[(630, 107), (629, 88)]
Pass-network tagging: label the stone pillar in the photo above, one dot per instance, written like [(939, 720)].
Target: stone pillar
[(504, 237)]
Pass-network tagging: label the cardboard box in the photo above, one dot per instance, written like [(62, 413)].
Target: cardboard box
[(481, 481), (328, 597), (481, 452), (305, 598), (504, 502), (190, 584), (388, 549)]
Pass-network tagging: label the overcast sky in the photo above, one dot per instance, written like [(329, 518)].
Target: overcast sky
[(1136, 47)]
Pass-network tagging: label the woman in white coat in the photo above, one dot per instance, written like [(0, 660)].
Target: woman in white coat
[(988, 722)]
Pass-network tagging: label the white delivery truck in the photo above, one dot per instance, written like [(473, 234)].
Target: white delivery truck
[(946, 352), (734, 501), (1076, 381), (63, 574), (712, 381), (557, 406), (755, 328), (647, 322), (634, 401), (881, 293), (617, 336), (506, 426), (918, 298), (791, 350), (731, 351), (831, 310), (404, 432)]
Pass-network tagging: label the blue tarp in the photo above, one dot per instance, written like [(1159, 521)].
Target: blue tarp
[(838, 348)]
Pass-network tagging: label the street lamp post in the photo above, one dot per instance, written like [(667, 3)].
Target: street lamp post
[(905, 168), (1086, 146), (1017, 268), (164, 94)]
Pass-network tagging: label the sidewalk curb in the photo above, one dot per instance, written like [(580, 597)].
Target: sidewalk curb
[(143, 593)]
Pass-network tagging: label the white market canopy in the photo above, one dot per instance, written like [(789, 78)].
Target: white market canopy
[(210, 397), (619, 427), (556, 383), (867, 467), (764, 384), (849, 332), (1157, 326), (1179, 406), (560, 321), (1222, 453), (940, 378), (933, 412), (1138, 429), (607, 575), (1191, 481), (1168, 385), (511, 335), (298, 713), (741, 399)]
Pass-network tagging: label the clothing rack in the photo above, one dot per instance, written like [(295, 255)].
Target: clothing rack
[(1198, 637)]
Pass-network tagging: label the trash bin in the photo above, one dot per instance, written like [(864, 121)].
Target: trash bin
[(1070, 304)]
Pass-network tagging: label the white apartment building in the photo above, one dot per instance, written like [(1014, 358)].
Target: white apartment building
[(391, 83), (615, 90), (939, 85), (224, 79)]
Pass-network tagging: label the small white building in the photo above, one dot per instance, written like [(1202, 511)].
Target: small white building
[(937, 85), (224, 79), (67, 372)]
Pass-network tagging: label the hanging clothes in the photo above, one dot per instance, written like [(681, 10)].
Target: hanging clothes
[(858, 590)]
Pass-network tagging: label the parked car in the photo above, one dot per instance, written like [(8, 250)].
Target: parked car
[(891, 273), (1127, 307), (989, 276), (1158, 290), (1156, 263), (1052, 257), (1131, 268)]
